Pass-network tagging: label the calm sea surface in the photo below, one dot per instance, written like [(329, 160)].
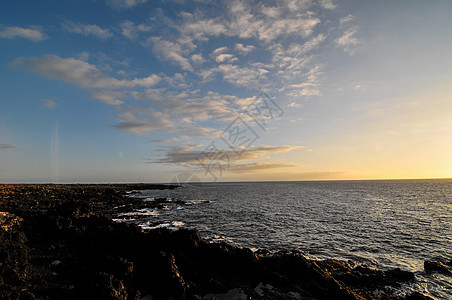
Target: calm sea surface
[(394, 223)]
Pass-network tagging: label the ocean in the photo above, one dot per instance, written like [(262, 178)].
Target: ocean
[(383, 223)]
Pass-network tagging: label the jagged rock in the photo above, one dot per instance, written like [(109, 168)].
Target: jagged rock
[(437, 266), (72, 224)]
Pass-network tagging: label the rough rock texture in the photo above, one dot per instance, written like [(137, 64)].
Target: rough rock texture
[(437, 266), (59, 242)]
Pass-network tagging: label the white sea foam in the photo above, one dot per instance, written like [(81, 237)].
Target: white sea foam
[(169, 225), (140, 212), (194, 202)]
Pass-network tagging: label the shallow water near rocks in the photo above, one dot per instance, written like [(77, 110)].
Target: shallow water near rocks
[(393, 223)]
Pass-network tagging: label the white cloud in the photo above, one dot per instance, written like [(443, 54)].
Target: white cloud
[(346, 19), (109, 97), (243, 20), (190, 107), (80, 72), (225, 58), (181, 112), (171, 139), (297, 62), (84, 75), (303, 85), (143, 120), (197, 59), (188, 156), (124, 4), (328, 4), (295, 105), (86, 29), (348, 41), (244, 49), (219, 51), (237, 75), (220, 56), (199, 28), (173, 52), (51, 104), (33, 33), (131, 31)]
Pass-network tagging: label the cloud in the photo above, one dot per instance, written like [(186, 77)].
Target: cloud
[(237, 75), (109, 97), (247, 21), (84, 75), (131, 31), (348, 41), (197, 59), (50, 104), (124, 4), (199, 29), (346, 19), (171, 139), (140, 128), (258, 166), (33, 33), (190, 157), (86, 29), (328, 4), (220, 56), (295, 105), (244, 49), (240, 19), (173, 52), (141, 120), (192, 107), (6, 146), (185, 112), (219, 51), (225, 58)]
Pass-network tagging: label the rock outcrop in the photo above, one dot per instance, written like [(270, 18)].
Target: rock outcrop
[(59, 242)]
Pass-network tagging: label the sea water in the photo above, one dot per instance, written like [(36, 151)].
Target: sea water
[(384, 223)]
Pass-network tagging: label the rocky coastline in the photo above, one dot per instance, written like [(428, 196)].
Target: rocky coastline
[(60, 242)]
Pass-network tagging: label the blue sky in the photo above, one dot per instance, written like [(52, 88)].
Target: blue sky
[(140, 91)]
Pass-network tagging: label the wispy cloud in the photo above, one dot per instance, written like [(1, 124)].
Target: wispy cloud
[(348, 41), (51, 104), (258, 166), (124, 4), (6, 146), (328, 4), (237, 75), (184, 112), (285, 33), (171, 139), (246, 21), (188, 156), (172, 51), (346, 19), (84, 75), (131, 31), (244, 49), (86, 29), (33, 33)]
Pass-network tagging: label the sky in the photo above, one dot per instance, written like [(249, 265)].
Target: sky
[(160, 90)]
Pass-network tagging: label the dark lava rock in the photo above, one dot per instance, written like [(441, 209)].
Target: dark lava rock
[(58, 242), (437, 266)]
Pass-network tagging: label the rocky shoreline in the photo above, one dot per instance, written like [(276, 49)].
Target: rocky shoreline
[(59, 241)]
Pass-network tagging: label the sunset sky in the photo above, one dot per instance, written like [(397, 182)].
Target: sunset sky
[(143, 90)]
